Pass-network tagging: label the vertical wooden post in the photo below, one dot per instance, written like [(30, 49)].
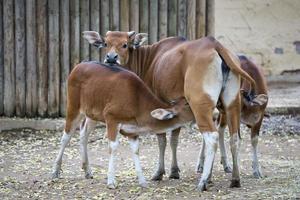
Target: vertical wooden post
[(115, 15), (200, 18), (210, 17), (153, 23), (95, 25), (163, 19), (20, 34), (9, 58), (1, 60), (53, 56), (181, 18), (124, 15), (191, 17), (104, 21), (84, 26), (172, 18), (144, 16), (65, 56), (31, 70), (134, 15), (75, 35)]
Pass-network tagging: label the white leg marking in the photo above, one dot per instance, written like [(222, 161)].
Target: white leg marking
[(134, 145), (235, 145), (201, 157), (211, 144), (111, 183), (58, 161), (255, 164), (224, 158)]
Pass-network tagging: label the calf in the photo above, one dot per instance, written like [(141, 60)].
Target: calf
[(121, 100), (252, 113)]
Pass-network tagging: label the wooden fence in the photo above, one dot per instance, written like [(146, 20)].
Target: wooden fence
[(40, 41)]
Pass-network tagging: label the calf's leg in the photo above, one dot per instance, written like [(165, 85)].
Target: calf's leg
[(174, 143), (224, 158), (254, 141), (162, 143), (201, 158)]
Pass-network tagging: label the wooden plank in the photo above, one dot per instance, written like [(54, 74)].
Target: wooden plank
[(42, 58), (95, 25), (20, 54), (191, 18), (75, 34), (104, 27), (1, 61), (114, 15), (200, 18), (134, 15), (172, 18), (65, 56), (210, 17), (181, 20), (144, 16), (53, 56), (153, 24), (124, 15), (163, 19), (31, 69), (9, 58), (84, 26)]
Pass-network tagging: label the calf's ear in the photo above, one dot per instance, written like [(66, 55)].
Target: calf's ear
[(260, 99), (94, 38), (162, 114), (138, 39)]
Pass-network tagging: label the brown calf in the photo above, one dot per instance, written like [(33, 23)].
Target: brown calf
[(121, 100), (175, 67)]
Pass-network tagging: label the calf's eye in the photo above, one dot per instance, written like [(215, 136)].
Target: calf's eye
[(125, 46)]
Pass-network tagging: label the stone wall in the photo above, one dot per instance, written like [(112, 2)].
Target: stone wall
[(268, 31)]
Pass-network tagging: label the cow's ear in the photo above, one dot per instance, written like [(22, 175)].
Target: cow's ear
[(94, 38), (162, 114), (139, 40), (260, 99)]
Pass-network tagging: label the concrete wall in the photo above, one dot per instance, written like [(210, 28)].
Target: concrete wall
[(265, 30)]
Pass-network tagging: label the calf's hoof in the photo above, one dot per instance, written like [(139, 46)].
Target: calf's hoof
[(89, 175), (227, 169), (111, 186), (158, 176), (55, 174), (235, 184), (144, 184), (174, 173), (202, 186), (200, 169), (257, 174)]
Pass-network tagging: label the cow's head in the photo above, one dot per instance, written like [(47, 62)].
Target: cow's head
[(117, 44)]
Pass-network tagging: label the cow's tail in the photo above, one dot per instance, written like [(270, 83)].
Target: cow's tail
[(233, 63)]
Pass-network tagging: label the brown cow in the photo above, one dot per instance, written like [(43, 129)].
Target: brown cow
[(252, 114), (175, 67), (121, 100)]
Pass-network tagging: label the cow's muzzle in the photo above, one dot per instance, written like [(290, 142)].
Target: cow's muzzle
[(111, 58)]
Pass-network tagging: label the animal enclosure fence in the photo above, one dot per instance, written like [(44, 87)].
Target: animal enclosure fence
[(40, 41)]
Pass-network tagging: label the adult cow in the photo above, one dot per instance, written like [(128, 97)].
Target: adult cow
[(175, 67)]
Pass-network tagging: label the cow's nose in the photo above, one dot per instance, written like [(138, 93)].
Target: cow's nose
[(111, 57)]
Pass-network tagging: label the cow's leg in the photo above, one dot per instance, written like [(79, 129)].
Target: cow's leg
[(112, 132), (174, 143), (162, 143), (254, 141), (72, 121), (201, 158), (221, 130), (134, 145), (87, 126)]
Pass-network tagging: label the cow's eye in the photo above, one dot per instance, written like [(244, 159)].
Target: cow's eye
[(125, 46)]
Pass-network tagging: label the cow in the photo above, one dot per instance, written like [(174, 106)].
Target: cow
[(120, 99), (176, 67), (252, 113)]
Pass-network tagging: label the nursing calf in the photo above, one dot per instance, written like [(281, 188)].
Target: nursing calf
[(121, 100)]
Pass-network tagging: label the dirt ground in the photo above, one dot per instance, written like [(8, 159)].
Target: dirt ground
[(26, 159)]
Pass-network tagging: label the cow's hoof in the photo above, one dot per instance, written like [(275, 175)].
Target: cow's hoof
[(144, 184), (199, 169), (89, 175), (174, 173), (55, 174), (235, 184), (158, 176), (257, 174), (227, 169), (202, 186)]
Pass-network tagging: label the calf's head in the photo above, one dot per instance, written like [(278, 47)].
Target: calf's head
[(117, 44)]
